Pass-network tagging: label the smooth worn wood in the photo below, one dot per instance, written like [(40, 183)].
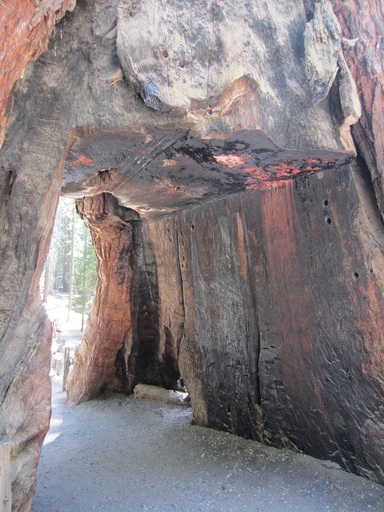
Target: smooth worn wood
[(5, 480)]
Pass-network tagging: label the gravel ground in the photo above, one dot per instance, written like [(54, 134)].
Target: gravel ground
[(124, 454)]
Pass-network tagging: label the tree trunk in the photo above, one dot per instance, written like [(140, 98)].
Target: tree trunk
[(85, 264), (71, 272), (46, 279)]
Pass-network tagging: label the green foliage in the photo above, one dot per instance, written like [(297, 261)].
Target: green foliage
[(85, 274)]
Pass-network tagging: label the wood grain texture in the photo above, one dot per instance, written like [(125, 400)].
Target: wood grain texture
[(362, 23), (5, 477)]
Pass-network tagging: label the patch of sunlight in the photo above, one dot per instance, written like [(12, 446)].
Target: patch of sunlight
[(56, 422), (51, 436), (54, 430)]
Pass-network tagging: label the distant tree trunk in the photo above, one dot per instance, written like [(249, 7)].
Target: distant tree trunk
[(71, 271), (66, 252), (84, 298), (46, 279)]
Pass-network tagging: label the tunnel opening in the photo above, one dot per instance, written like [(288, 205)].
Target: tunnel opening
[(67, 284), (135, 192), (71, 261), (85, 231), (121, 345)]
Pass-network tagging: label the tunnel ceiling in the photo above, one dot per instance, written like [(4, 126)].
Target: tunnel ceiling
[(175, 125), (161, 171)]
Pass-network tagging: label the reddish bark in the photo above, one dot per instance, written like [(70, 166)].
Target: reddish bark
[(26, 411), (25, 28), (109, 325), (363, 20)]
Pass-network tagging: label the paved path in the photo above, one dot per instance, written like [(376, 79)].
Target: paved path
[(126, 455)]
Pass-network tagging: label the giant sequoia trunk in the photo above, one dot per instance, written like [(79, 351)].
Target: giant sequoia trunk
[(110, 324), (239, 240)]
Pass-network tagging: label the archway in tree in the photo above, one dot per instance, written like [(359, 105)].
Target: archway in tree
[(129, 188)]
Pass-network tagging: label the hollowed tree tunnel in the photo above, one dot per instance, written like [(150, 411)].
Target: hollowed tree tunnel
[(235, 219)]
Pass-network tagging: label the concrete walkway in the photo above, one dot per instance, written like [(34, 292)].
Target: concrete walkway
[(121, 454)]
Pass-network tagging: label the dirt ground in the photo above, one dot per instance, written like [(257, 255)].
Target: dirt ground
[(124, 454)]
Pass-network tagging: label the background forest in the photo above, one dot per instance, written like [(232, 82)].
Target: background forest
[(70, 268)]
